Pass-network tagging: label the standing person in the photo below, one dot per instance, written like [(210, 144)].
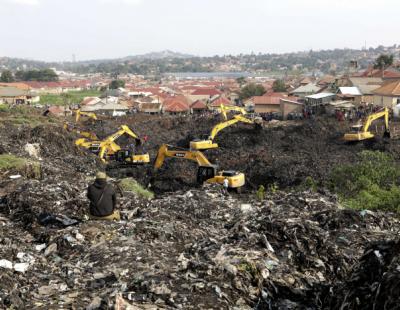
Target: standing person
[(103, 199), (225, 185)]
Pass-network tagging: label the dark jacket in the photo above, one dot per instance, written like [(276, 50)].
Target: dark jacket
[(101, 206)]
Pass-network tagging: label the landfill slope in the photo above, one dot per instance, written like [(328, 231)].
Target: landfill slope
[(193, 247)]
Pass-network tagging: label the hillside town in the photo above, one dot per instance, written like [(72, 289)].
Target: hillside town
[(293, 98)]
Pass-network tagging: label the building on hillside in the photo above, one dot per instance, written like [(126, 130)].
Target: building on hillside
[(150, 107), (366, 85), (352, 93), (290, 109), (206, 94), (90, 101), (387, 95), (305, 90), (319, 99), (13, 95), (216, 102), (198, 107), (266, 104), (176, 105), (113, 109)]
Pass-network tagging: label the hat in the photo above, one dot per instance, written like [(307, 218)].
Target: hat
[(101, 175)]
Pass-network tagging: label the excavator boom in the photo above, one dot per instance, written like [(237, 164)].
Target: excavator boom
[(206, 171), (223, 109), (209, 142)]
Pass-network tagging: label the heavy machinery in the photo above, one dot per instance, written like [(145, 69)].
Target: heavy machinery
[(223, 109), (87, 134), (207, 142), (79, 113), (361, 132), (108, 150), (206, 172), (74, 127)]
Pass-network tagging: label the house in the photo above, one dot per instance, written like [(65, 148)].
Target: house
[(306, 90), (387, 95), (14, 95), (305, 81), (59, 111), (150, 107), (290, 107), (176, 105), (90, 101), (319, 99), (216, 102), (114, 109), (205, 94), (351, 93), (198, 106), (366, 85), (268, 103)]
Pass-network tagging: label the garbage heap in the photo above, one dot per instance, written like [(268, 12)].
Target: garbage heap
[(194, 249)]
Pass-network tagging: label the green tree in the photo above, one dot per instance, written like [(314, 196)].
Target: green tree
[(115, 84), (241, 80), (279, 86), (371, 183), (7, 76), (383, 61), (251, 90)]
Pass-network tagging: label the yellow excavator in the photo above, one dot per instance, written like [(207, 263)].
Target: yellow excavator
[(206, 172), (79, 113), (361, 132), (74, 128), (207, 142), (224, 109), (108, 150)]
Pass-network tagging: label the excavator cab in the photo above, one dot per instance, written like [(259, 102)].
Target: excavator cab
[(205, 173)]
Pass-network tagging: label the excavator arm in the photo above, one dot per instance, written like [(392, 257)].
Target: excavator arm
[(223, 109), (79, 113), (196, 156), (209, 143), (375, 116)]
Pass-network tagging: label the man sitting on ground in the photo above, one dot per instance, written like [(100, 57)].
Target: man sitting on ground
[(103, 199)]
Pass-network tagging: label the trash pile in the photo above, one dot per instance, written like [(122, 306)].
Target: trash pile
[(193, 247), (188, 250)]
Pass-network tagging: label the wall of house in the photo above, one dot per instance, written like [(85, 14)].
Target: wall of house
[(194, 98), (287, 107), (385, 101), (266, 108)]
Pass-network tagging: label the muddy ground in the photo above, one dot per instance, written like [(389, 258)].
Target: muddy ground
[(194, 248)]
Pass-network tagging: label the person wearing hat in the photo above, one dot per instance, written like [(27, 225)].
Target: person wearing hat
[(103, 199)]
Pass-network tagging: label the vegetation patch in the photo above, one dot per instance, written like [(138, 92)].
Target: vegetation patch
[(28, 168), (73, 97), (131, 185), (371, 183)]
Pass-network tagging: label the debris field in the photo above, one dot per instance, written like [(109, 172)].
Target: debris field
[(192, 247)]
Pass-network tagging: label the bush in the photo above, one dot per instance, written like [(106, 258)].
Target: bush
[(371, 183), (130, 185)]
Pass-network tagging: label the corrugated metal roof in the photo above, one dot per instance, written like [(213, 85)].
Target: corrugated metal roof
[(321, 95), (352, 91)]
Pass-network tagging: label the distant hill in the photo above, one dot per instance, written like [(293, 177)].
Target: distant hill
[(334, 61), (159, 55)]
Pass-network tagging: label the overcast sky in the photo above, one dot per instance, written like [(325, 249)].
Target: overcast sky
[(55, 29)]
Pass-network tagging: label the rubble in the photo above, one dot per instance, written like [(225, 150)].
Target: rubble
[(194, 248)]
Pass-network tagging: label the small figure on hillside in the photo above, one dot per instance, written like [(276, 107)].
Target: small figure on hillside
[(225, 186), (103, 199), (261, 193)]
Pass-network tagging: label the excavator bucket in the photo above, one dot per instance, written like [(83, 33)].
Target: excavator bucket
[(386, 134)]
